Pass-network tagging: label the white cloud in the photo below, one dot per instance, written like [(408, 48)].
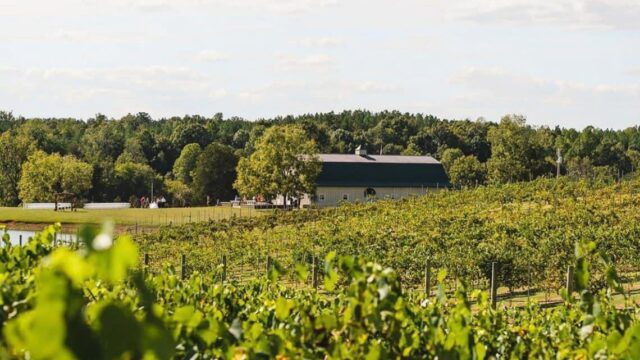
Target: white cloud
[(72, 82), (315, 61), (496, 91), (373, 87), (325, 42), (218, 93), (278, 6), (90, 35), (116, 7), (319, 89), (499, 81), (211, 56), (416, 43), (572, 13)]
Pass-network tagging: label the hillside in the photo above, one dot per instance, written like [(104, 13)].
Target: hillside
[(529, 229)]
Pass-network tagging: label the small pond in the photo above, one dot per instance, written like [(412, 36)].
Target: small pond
[(14, 235)]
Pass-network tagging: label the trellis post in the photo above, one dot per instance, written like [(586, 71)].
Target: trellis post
[(269, 260), (183, 266), (494, 285), (314, 273), (224, 268), (427, 278), (569, 280)]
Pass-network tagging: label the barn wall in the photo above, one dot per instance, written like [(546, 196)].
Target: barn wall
[(334, 195)]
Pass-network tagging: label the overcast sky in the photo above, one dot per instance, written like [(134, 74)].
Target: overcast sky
[(558, 62)]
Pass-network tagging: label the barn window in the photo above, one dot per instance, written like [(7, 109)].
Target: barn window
[(345, 196), (321, 197)]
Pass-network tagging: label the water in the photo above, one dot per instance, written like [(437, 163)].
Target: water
[(14, 235)]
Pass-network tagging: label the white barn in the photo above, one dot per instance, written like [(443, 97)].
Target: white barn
[(361, 177)]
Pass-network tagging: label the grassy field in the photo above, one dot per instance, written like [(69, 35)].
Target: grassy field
[(123, 217)]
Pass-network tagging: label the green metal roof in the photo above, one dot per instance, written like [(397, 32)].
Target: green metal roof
[(382, 174)]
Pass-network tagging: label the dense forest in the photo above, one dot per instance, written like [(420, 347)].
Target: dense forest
[(104, 159)]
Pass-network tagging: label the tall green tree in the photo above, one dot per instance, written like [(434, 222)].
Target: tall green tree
[(186, 163), (44, 175), (13, 152), (190, 133), (214, 173), (449, 157), (284, 163), (135, 179), (179, 193), (467, 171), (519, 152), (103, 139)]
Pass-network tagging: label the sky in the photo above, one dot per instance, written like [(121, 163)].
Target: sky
[(571, 63)]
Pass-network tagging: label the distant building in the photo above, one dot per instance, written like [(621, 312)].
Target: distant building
[(361, 177)]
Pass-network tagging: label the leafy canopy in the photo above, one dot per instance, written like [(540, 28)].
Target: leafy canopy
[(285, 163), (45, 175)]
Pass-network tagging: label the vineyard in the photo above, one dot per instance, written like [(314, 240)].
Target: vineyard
[(340, 283), (529, 230), (66, 303)]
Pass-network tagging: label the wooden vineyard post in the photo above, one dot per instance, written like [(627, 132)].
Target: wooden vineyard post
[(224, 268), (20, 238), (268, 264), (314, 273), (427, 278), (146, 262), (183, 267), (494, 285), (569, 280)]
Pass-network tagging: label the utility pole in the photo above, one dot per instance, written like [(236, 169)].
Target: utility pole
[(558, 163)]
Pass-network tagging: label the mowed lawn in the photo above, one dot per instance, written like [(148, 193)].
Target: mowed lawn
[(142, 217)]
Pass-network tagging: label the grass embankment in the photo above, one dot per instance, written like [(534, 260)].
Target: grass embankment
[(122, 217)]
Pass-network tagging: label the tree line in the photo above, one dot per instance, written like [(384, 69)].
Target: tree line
[(195, 159)]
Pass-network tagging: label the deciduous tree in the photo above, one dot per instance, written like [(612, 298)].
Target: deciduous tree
[(467, 171), (215, 172), (284, 163), (43, 176), (186, 163), (13, 152)]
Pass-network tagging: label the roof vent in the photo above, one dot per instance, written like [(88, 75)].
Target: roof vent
[(360, 151)]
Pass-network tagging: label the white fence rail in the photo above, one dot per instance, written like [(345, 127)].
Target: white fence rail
[(90, 206), (45, 206)]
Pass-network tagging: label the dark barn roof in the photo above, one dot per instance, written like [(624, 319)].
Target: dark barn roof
[(381, 171)]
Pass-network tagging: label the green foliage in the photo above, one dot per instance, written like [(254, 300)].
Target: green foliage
[(284, 163), (449, 156), (180, 194), (214, 173), (186, 163), (528, 228), (517, 151), (190, 133), (135, 179), (132, 153), (13, 153), (467, 171), (45, 175), (93, 303)]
